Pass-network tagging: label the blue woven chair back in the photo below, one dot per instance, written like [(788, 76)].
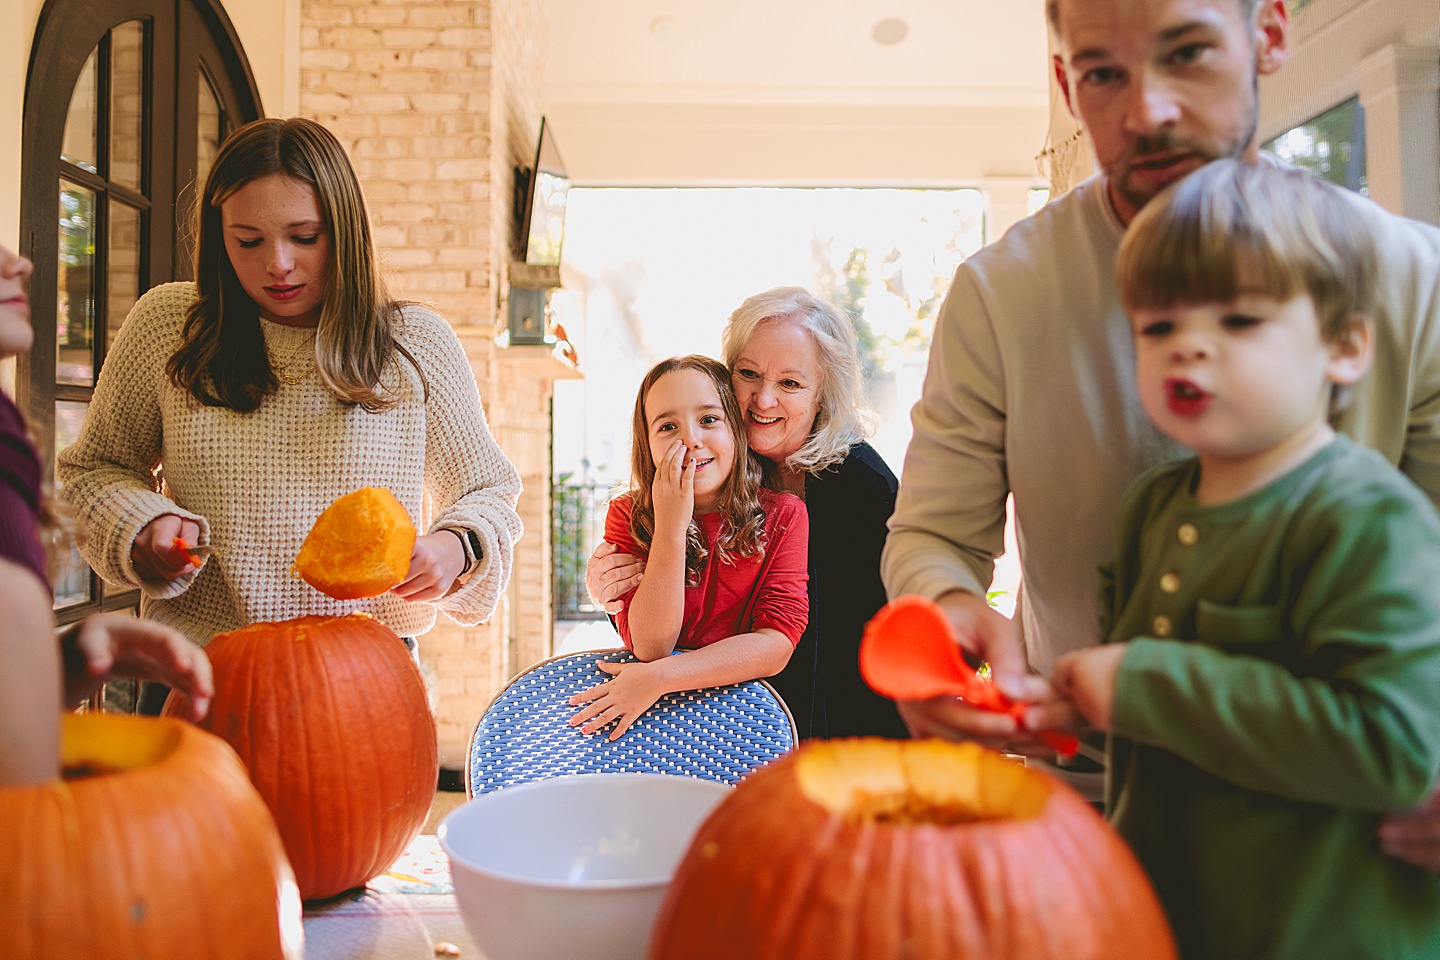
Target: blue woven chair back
[(719, 733)]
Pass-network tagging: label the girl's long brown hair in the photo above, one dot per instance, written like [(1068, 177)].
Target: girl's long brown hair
[(221, 360), (742, 531)]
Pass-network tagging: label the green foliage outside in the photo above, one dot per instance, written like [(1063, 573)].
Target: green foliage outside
[(1331, 146)]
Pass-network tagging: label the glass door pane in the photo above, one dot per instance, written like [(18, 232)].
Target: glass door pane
[(75, 295), (127, 102), (122, 267), (211, 130), (72, 579), (80, 146)]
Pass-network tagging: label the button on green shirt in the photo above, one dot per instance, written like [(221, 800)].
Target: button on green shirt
[(1281, 692)]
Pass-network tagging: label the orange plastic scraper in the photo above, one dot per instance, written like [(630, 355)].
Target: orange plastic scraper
[(909, 652)]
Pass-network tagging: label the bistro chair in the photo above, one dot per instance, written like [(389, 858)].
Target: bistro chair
[(718, 733)]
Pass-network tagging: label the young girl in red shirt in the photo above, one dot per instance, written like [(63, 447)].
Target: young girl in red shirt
[(726, 571)]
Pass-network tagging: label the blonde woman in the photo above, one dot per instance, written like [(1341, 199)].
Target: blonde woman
[(283, 377)]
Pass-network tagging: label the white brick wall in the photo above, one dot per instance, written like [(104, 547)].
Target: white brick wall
[(436, 102)]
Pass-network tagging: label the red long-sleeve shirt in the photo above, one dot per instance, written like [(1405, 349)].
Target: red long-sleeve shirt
[(742, 595)]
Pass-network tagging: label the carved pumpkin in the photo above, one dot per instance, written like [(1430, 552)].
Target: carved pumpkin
[(359, 547), (331, 719), (868, 848), (153, 845)]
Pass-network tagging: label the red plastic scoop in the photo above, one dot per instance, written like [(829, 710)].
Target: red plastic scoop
[(909, 652)]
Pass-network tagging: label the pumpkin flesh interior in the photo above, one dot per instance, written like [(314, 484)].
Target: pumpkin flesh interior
[(918, 782), (359, 547), (97, 744)]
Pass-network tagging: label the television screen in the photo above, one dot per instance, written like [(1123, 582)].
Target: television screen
[(544, 226)]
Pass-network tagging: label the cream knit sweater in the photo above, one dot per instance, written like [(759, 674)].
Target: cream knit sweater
[(255, 482)]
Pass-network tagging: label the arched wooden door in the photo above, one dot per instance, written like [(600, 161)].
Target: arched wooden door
[(126, 102)]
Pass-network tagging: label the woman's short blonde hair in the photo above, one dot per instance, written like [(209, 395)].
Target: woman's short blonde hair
[(1256, 226), (842, 419)]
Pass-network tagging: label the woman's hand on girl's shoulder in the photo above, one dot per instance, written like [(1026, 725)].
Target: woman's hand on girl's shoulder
[(673, 491), (610, 575), (438, 558)]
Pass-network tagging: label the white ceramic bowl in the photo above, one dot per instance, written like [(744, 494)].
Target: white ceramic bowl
[(572, 867)]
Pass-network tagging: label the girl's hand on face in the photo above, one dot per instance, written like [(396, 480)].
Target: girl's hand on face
[(438, 558), (673, 491), (156, 555), (634, 689), (1087, 679)]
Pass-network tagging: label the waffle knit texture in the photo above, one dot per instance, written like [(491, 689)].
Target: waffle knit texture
[(255, 482)]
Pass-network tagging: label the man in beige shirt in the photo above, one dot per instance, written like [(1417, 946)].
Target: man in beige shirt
[(1030, 388)]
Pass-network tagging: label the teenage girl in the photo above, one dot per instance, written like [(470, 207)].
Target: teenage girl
[(726, 558)]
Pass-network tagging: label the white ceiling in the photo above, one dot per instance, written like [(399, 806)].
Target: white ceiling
[(796, 92)]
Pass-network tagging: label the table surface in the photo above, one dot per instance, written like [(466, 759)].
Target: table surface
[(406, 914)]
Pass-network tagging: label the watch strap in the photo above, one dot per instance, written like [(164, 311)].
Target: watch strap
[(470, 543)]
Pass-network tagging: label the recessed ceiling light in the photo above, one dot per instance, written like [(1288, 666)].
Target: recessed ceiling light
[(889, 31), (662, 27)]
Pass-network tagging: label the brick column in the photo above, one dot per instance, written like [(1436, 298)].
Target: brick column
[(436, 102)]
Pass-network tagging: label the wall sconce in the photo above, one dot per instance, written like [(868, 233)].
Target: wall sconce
[(529, 308)]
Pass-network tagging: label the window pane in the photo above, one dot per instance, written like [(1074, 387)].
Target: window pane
[(211, 131), (119, 696), (72, 580), (122, 287), (79, 146), (1331, 146), (127, 79), (75, 307)]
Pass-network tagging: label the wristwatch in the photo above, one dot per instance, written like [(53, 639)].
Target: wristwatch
[(470, 543)]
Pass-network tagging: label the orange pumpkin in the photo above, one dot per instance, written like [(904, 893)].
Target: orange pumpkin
[(867, 848), (359, 547), (153, 845), (331, 719)]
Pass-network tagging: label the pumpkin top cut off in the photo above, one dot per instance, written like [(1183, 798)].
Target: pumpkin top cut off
[(359, 547)]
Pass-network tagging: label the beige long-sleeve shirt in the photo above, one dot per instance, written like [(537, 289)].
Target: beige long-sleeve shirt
[(1031, 390), (255, 482)]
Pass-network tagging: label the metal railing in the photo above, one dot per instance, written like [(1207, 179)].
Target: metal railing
[(577, 521)]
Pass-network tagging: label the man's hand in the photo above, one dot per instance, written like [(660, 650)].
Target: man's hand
[(1414, 837), (610, 575), (986, 635), (109, 645)]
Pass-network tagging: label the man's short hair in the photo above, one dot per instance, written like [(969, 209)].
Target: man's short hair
[(1052, 12), (1234, 225)]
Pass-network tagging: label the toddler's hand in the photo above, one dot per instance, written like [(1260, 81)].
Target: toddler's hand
[(632, 691), (1087, 679), (1415, 836), (673, 492)]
